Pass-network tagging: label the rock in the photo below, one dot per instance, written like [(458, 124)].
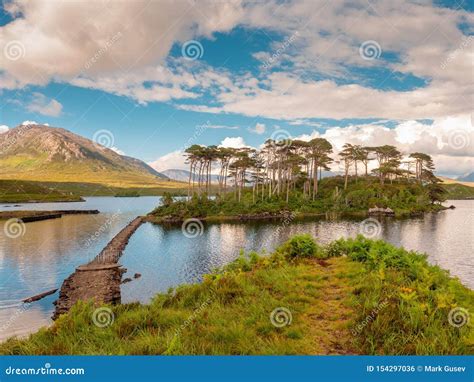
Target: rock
[(137, 275), (127, 280), (381, 211), (452, 207)]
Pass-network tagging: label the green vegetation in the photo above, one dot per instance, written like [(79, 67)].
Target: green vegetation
[(17, 191), (402, 196), (127, 194), (351, 296), (458, 191), (285, 176), (40, 153)]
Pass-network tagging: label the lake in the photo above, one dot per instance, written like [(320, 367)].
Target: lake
[(165, 257)]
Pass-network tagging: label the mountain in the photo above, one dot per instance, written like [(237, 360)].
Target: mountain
[(467, 178), (50, 154), (183, 175)]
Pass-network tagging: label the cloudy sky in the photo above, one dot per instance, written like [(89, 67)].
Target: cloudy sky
[(161, 75)]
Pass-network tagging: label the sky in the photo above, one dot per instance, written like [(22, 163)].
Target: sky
[(153, 77)]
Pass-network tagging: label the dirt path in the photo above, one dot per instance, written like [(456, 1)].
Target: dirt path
[(330, 315)]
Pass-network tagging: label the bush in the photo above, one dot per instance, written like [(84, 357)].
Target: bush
[(301, 246)]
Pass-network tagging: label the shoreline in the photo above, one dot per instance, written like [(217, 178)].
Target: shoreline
[(330, 292), (265, 216), (28, 216)]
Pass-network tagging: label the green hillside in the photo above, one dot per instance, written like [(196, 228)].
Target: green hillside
[(14, 191), (46, 154)]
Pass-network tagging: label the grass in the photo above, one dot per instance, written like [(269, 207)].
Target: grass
[(331, 292), (18, 191), (459, 191), (15, 191)]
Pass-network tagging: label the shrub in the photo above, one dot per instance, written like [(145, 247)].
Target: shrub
[(301, 246)]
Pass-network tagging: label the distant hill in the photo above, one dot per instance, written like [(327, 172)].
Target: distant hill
[(49, 154), (467, 178), (183, 175), (458, 189), (20, 191)]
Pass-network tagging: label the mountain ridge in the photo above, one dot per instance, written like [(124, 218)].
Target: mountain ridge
[(43, 153)]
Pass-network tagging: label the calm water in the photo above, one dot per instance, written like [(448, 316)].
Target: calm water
[(50, 250)]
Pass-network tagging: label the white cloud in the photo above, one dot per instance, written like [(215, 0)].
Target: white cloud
[(59, 39), (450, 141), (45, 106), (233, 142), (225, 127), (117, 150), (3, 129), (26, 123), (258, 129), (174, 160)]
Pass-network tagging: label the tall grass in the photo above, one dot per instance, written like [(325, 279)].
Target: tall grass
[(352, 296)]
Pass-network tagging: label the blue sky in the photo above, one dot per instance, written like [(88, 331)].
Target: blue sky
[(365, 72)]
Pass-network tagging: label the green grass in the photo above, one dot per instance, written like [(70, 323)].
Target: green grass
[(17, 191), (330, 291), (459, 191)]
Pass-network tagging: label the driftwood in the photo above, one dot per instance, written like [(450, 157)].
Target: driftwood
[(39, 296)]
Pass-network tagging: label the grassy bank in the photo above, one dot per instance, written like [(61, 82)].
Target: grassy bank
[(350, 297), (404, 198), (458, 191), (19, 191)]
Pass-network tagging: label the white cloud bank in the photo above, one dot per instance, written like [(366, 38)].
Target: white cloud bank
[(130, 42), (450, 141)]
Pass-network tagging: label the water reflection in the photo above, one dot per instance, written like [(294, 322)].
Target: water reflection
[(166, 258), (50, 250)]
